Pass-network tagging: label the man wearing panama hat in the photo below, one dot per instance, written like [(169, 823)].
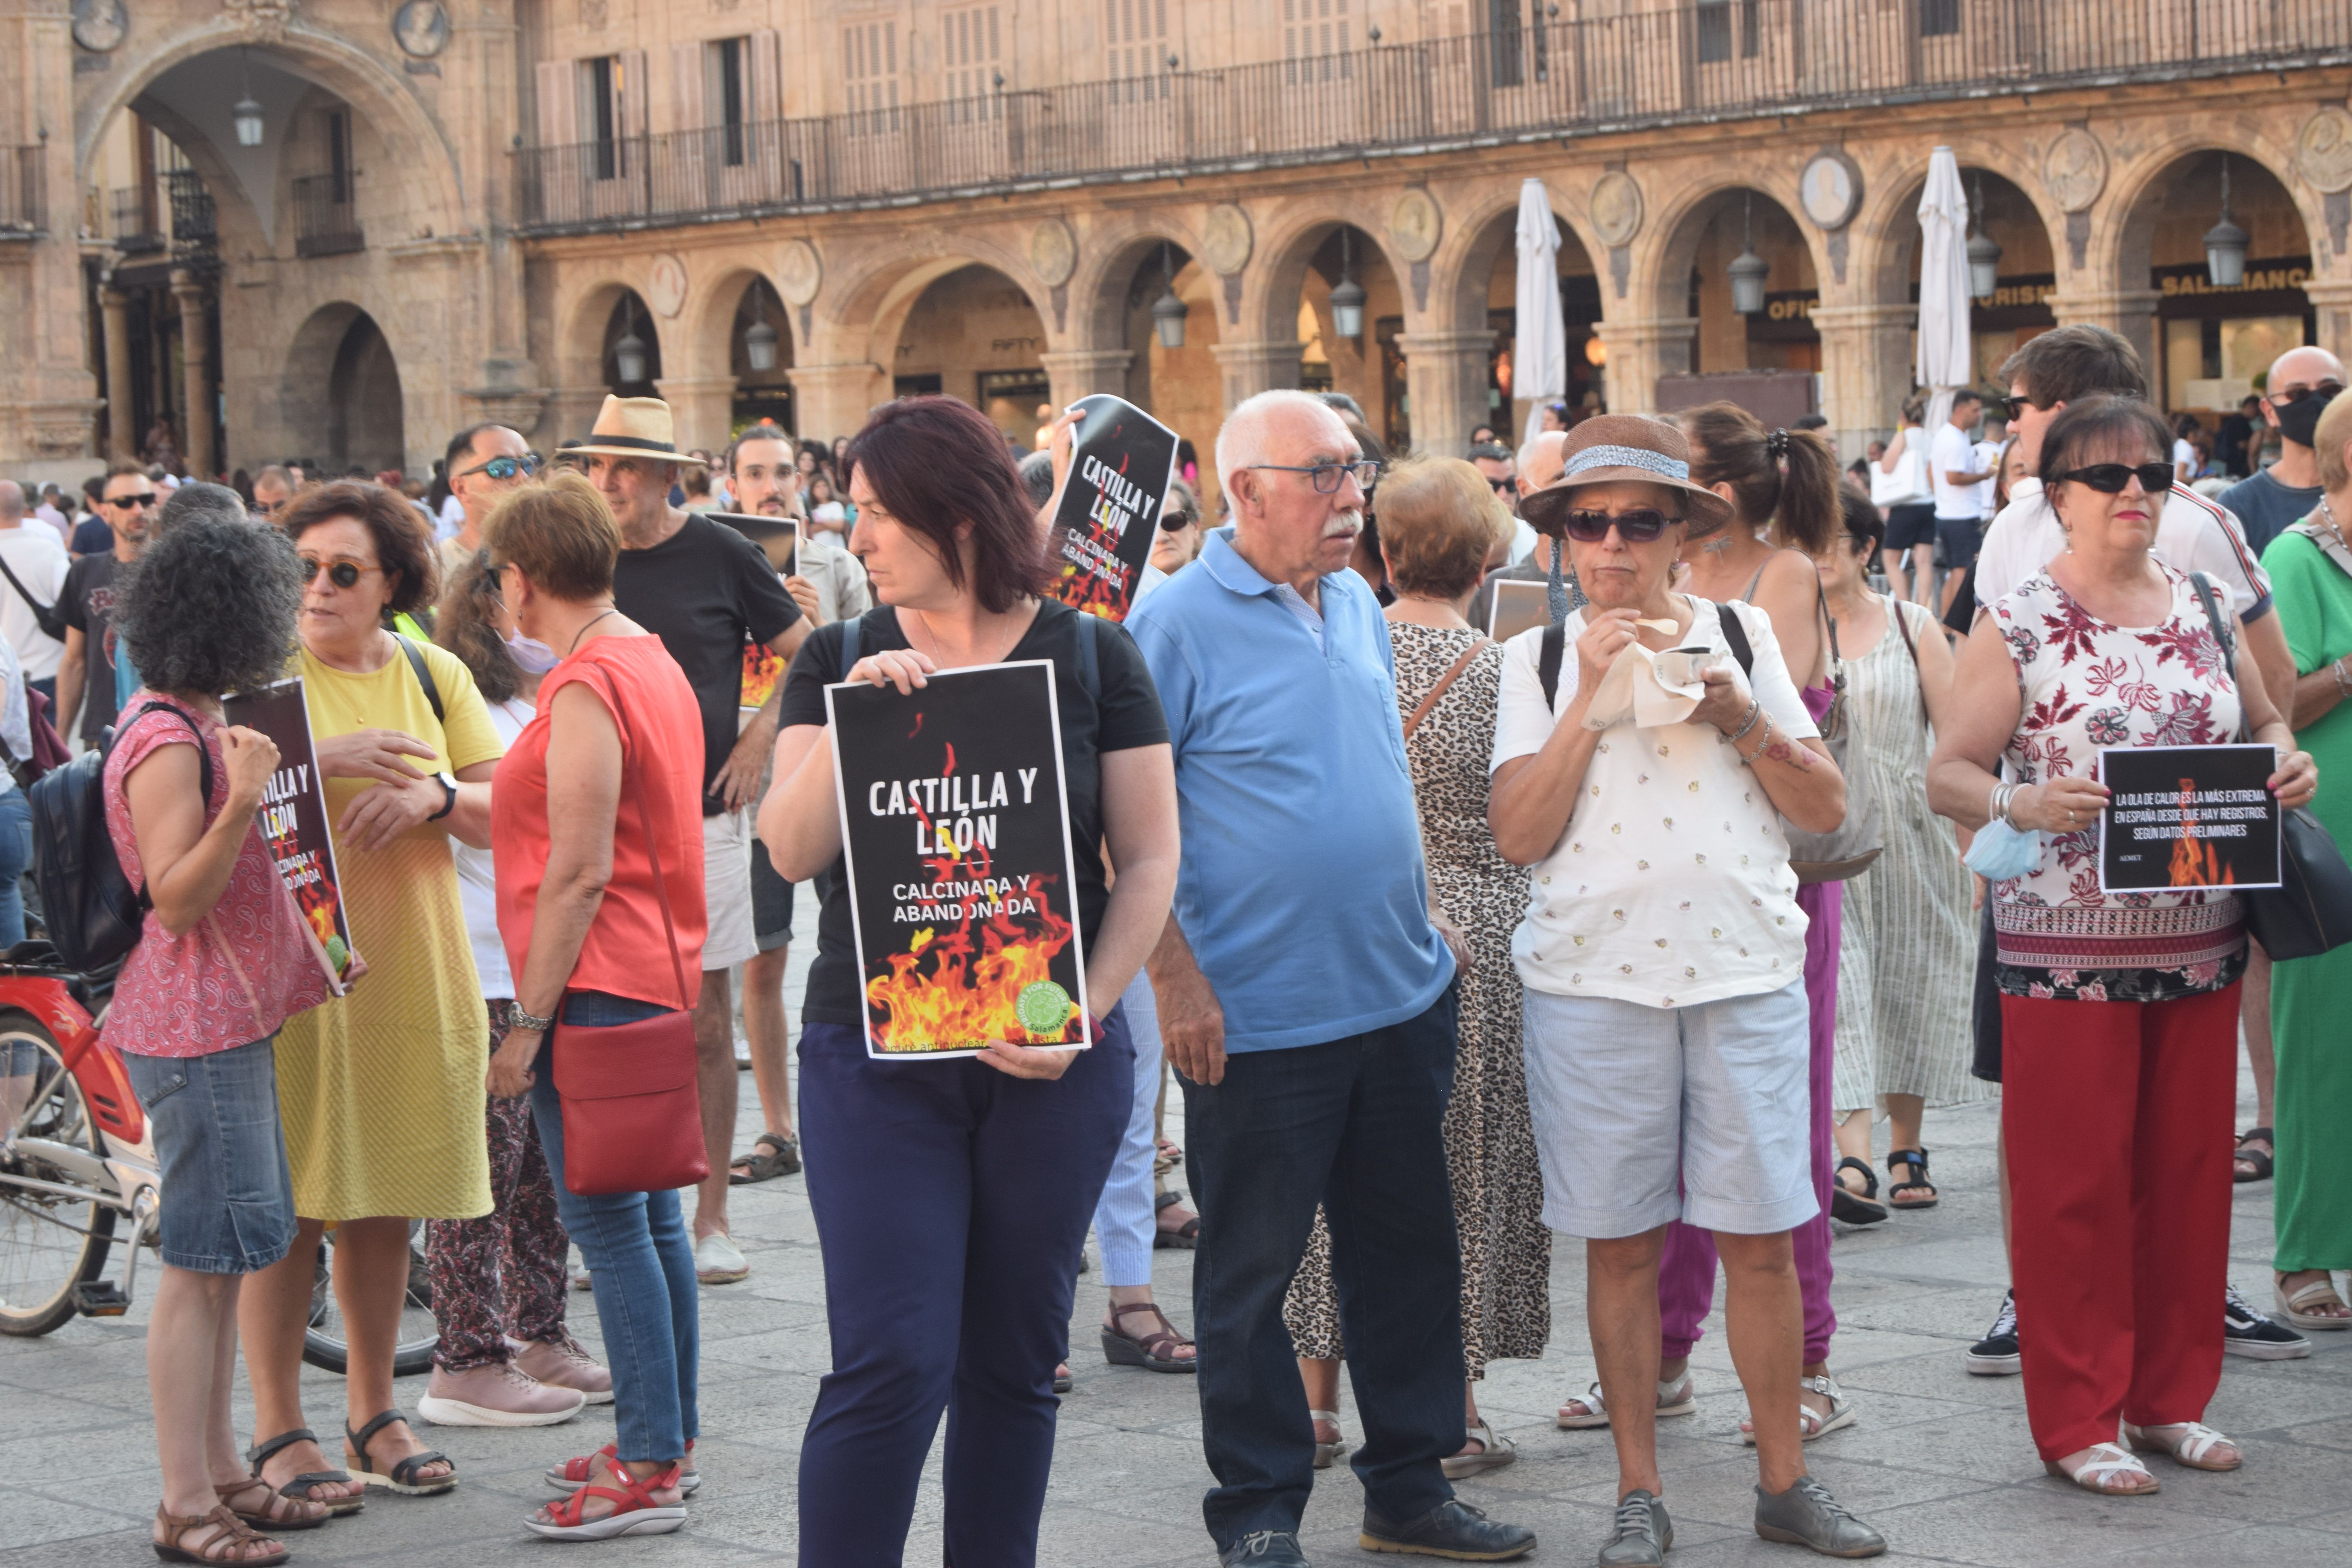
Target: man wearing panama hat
[(707, 592)]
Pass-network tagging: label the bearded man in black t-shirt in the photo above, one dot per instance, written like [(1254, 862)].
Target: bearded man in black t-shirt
[(707, 593)]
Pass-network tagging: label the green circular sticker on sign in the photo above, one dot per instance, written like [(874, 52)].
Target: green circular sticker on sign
[(337, 953), (1043, 1007)]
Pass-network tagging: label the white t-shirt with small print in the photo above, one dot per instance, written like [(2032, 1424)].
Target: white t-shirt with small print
[(1672, 885)]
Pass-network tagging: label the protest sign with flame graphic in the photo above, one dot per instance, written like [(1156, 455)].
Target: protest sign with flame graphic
[(293, 819), (955, 827), (1109, 508), (2188, 817)]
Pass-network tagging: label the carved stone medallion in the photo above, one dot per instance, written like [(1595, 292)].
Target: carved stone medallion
[(798, 273), (2323, 151), (1415, 226), (1053, 252), (1616, 208), (1830, 190), (2075, 169), (421, 28), (1226, 239), (666, 285), (99, 25)]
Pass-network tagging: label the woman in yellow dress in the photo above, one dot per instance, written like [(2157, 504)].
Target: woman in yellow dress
[(381, 1091)]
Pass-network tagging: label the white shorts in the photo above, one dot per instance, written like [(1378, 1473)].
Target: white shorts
[(1646, 1114), (727, 890)]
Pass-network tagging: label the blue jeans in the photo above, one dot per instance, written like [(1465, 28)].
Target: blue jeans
[(1125, 1219), (15, 854), (1355, 1124), (951, 1203), (640, 1263)]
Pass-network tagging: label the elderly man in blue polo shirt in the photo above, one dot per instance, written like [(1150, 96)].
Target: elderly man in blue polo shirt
[(1307, 998)]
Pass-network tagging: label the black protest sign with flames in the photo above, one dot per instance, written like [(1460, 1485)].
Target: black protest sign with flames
[(1120, 466), (955, 827)]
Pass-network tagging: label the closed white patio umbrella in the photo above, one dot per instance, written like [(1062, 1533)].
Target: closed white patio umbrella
[(1945, 361), (1539, 356)]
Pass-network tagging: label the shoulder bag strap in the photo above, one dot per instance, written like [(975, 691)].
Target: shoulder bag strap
[(1453, 674), (424, 675), (1902, 625), (1090, 658), (1734, 632), (2203, 585), (850, 639), (1555, 643), (653, 845), (44, 615)]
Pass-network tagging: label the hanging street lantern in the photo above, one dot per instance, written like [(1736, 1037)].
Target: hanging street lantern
[(2225, 243), (1347, 298), (629, 351), (759, 338), (1984, 252), (1748, 269), (246, 114), (1168, 312)]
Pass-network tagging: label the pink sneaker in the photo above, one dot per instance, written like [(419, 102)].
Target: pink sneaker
[(496, 1396), (562, 1363)]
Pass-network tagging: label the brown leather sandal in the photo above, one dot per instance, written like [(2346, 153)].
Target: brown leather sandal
[(228, 1544), (1155, 1351), (304, 1513)]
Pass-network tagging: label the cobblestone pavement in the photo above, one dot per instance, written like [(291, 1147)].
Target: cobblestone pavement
[(1939, 1460)]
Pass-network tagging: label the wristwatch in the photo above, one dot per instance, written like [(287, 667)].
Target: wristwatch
[(449, 797)]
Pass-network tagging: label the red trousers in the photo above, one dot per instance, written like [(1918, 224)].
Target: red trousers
[(2118, 1119)]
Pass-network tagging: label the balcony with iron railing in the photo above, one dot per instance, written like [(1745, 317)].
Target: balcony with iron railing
[(326, 222), (1698, 61), (196, 224), (137, 227), (24, 192)]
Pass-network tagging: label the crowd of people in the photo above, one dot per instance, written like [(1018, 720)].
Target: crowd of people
[(1634, 927)]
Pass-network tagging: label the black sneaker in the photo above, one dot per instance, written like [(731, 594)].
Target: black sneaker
[(1996, 1354), (2247, 1332)]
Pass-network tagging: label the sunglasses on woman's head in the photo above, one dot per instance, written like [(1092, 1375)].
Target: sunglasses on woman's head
[(341, 573), (1640, 527), (2109, 479)]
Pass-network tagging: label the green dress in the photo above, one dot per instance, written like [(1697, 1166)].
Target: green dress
[(2311, 1202)]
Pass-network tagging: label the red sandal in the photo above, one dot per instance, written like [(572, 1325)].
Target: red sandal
[(578, 1471), (635, 1510)]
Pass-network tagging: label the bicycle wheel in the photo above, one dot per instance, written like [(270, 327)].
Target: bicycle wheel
[(323, 1345), (50, 1241)]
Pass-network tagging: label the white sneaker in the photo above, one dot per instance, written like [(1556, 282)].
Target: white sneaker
[(718, 1261), (497, 1394), (743, 1054)]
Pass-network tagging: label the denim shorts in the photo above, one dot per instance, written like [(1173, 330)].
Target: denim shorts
[(228, 1193)]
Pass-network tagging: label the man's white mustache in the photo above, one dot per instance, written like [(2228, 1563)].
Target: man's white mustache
[(1345, 525)]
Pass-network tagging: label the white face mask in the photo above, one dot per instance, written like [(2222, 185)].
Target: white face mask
[(533, 657)]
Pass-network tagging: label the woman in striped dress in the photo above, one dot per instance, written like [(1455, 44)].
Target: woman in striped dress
[(1909, 941)]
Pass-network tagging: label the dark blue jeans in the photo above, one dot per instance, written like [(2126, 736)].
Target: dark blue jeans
[(15, 854), (1356, 1125), (952, 1203), (640, 1264)]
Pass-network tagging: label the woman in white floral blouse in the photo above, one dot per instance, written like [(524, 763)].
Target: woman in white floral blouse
[(2119, 1011)]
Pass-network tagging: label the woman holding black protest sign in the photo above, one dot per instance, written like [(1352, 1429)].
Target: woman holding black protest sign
[(2118, 1011), (952, 1196)]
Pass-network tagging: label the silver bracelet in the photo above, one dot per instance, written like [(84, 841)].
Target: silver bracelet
[(1763, 744), (1997, 801), (1755, 706), (518, 1019), (2009, 807), (2343, 685)]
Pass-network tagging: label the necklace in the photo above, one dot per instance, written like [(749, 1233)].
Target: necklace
[(939, 654), (2329, 512), (608, 610)]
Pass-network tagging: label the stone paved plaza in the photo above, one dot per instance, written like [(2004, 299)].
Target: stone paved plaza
[(1940, 1461)]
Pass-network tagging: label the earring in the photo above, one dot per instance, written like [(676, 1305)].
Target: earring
[(2070, 539)]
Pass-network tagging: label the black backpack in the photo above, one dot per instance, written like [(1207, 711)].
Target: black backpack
[(92, 910)]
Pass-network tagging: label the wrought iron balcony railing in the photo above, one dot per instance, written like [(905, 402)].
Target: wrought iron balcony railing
[(326, 221), (1683, 61)]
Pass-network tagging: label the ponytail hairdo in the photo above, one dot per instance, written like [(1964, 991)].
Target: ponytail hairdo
[(1788, 479)]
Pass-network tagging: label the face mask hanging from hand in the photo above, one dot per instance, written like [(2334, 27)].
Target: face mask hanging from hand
[(533, 657), (2000, 852)]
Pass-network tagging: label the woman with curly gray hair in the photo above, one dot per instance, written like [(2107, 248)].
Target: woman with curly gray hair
[(222, 961)]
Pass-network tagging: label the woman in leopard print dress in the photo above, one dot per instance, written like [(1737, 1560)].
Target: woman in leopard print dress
[(1438, 521)]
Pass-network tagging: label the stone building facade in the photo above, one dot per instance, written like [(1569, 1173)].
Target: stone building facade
[(460, 209)]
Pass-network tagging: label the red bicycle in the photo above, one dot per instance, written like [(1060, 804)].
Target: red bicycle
[(79, 1178)]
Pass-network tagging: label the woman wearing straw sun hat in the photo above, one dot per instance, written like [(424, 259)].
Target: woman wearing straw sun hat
[(1645, 751)]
